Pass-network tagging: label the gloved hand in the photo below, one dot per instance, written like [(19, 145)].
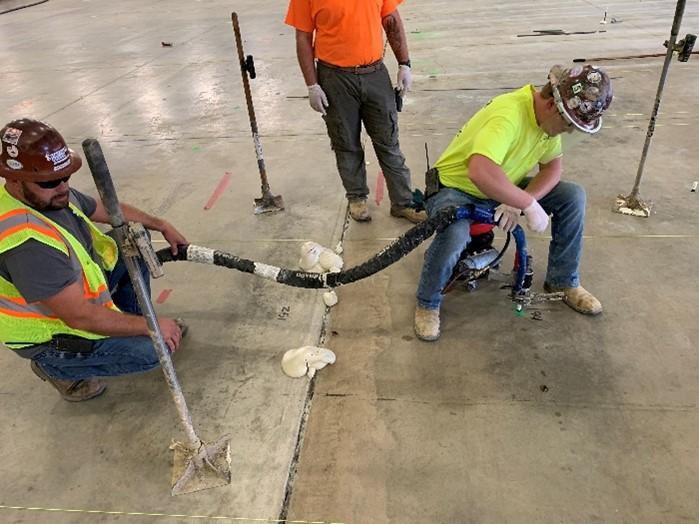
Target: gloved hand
[(507, 217), (317, 98), (537, 219), (405, 79)]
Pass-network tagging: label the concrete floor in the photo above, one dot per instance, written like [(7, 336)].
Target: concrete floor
[(397, 430)]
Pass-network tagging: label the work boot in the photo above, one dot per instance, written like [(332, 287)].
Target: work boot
[(427, 323), (359, 210), (72, 390), (578, 298), (409, 214), (184, 328)]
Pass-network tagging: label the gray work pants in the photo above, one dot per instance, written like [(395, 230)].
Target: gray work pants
[(365, 98)]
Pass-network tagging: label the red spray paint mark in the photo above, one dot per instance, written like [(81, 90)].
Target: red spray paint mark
[(379, 188), (163, 296), (222, 185)]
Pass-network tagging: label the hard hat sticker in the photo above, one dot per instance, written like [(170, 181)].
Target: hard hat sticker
[(11, 136), (58, 157), (574, 102), (594, 76), (14, 164), (575, 71), (577, 88), (12, 151), (61, 166), (592, 93)]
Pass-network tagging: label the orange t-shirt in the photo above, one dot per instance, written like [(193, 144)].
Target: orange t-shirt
[(347, 33)]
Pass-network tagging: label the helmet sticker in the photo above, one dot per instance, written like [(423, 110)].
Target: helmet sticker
[(576, 71), (14, 164), (585, 106), (58, 157), (574, 102), (61, 166), (577, 88), (11, 136), (592, 93), (12, 151), (594, 76)]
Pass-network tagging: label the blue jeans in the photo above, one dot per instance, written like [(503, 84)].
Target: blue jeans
[(566, 202), (110, 356)]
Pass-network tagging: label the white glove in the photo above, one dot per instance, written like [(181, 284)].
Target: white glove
[(507, 217), (537, 219), (317, 98), (405, 79)]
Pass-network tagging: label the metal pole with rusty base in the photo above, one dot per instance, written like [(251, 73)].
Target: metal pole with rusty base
[(268, 203), (197, 465), (632, 204)]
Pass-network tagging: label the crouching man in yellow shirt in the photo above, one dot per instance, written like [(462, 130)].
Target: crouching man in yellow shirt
[(487, 164)]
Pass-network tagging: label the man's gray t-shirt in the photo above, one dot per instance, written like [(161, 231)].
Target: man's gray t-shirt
[(39, 271)]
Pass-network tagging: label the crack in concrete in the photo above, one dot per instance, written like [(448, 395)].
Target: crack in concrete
[(303, 424)]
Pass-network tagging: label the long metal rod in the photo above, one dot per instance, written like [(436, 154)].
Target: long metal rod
[(679, 11), (251, 108), (107, 192)]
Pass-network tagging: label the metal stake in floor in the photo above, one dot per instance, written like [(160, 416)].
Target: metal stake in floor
[(197, 465), (633, 204), (267, 203)]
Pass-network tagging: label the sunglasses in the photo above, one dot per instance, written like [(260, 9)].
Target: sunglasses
[(52, 184)]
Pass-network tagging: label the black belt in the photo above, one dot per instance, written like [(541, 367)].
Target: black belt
[(68, 343), (357, 70)]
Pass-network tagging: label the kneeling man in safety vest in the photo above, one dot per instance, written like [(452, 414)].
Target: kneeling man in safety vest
[(66, 300)]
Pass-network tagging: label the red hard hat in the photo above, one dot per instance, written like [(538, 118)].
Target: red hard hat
[(34, 151), (581, 94)]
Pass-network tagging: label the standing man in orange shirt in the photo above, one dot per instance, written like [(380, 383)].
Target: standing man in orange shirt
[(349, 85)]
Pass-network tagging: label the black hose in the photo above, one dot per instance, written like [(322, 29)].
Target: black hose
[(384, 258)]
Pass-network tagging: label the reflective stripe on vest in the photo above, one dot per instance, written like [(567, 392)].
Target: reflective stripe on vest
[(100, 297), (21, 219), (18, 307)]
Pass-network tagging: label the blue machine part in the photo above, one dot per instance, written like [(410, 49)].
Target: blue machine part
[(486, 215)]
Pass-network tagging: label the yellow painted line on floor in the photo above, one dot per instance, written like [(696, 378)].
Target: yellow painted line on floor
[(168, 515)]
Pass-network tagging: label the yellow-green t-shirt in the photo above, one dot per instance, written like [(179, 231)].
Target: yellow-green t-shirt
[(507, 133)]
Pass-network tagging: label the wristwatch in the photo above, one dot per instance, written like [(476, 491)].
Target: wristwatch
[(405, 63)]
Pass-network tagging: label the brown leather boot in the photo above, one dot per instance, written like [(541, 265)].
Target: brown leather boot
[(72, 390), (184, 328), (578, 298), (409, 214), (359, 210), (427, 324)]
